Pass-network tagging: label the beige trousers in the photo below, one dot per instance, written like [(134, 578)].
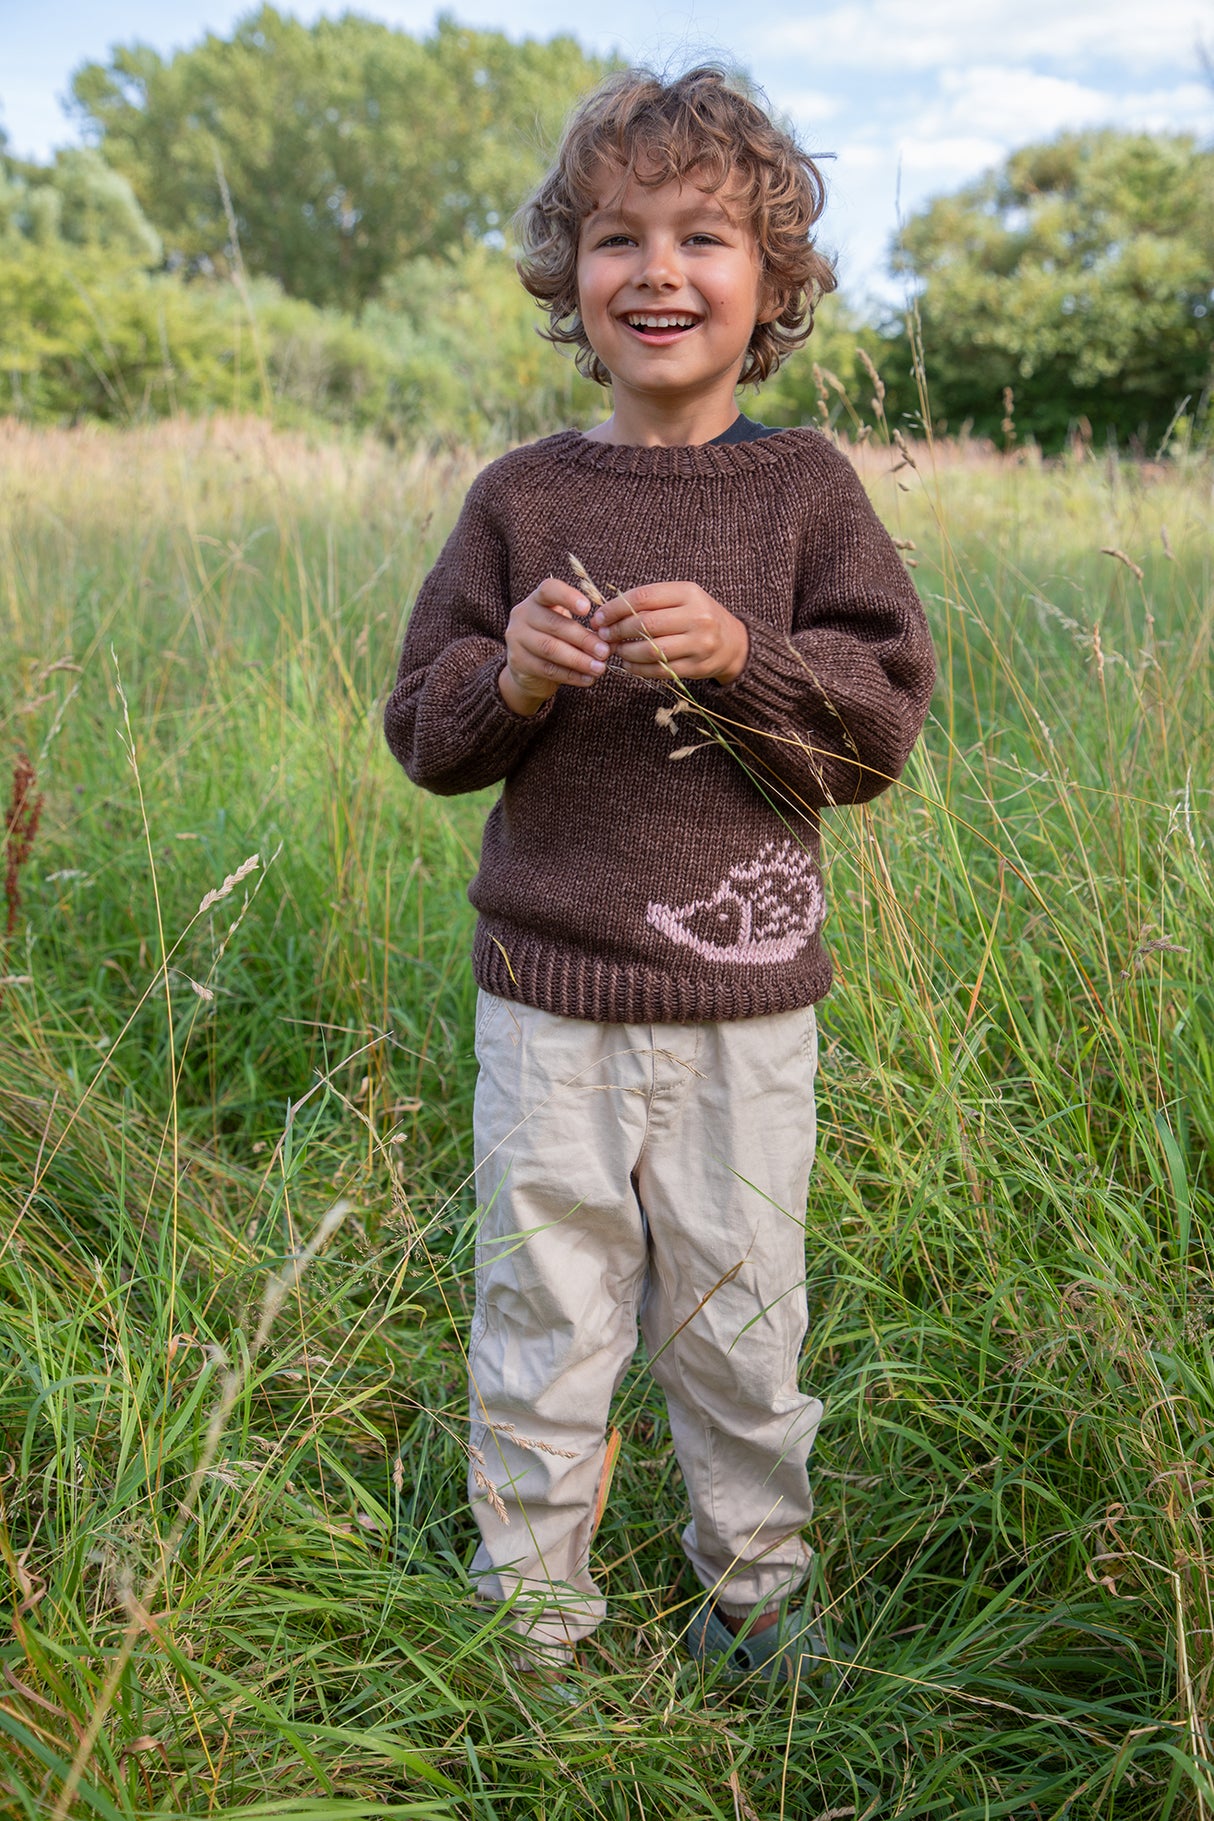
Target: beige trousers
[(652, 1173)]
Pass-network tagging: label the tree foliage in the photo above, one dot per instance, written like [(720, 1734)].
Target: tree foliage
[(346, 147), (1079, 274), (449, 355), (77, 201), (369, 176)]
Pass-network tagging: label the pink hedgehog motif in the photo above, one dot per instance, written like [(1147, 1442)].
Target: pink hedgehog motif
[(764, 910)]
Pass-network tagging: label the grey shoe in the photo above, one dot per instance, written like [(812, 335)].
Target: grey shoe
[(794, 1649)]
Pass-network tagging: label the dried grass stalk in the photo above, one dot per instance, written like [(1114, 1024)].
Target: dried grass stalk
[(230, 883)]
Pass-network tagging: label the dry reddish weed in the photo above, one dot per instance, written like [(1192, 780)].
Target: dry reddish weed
[(20, 828)]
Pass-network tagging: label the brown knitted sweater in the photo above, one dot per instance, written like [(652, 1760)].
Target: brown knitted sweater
[(620, 881)]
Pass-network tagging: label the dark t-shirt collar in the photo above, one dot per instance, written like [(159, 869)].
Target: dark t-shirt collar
[(743, 430)]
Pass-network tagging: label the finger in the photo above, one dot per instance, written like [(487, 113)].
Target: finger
[(613, 611), (657, 654), (547, 670), (551, 626), (552, 592), (659, 594), (558, 620), (652, 625), (530, 622), (560, 650), (659, 597)]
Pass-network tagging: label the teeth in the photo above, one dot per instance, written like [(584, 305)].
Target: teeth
[(662, 322)]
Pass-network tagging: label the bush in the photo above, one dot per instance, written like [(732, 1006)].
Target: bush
[(450, 354)]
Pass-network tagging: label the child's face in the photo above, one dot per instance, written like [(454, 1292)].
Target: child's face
[(670, 287)]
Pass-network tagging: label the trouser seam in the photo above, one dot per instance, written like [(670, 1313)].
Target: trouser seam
[(649, 1098)]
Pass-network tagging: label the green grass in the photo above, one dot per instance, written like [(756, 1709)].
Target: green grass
[(234, 1146)]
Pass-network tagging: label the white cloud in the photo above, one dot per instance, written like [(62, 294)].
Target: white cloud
[(1183, 109), (979, 115), (1014, 105), (807, 106), (892, 34), (949, 156), (864, 155)]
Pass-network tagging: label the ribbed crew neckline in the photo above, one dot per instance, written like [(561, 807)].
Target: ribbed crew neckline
[(683, 461)]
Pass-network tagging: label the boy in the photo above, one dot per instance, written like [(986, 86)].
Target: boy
[(649, 947)]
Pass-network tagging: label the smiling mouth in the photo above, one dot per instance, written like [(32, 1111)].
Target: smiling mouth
[(668, 323)]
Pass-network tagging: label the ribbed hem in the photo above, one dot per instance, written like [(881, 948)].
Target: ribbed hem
[(513, 963)]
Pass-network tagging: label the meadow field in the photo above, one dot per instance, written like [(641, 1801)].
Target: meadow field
[(235, 1258)]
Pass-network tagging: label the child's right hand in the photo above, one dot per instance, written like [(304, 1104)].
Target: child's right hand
[(547, 646)]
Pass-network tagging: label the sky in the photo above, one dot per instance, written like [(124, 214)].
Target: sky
[(911, 98)]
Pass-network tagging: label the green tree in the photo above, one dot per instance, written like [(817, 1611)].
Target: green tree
[(826, 383), (77, 201), (346, 147), (1079, 274), (470, 365)]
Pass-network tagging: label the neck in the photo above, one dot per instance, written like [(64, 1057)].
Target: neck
[(647, 423)]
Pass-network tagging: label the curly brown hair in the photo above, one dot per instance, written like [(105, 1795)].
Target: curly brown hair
[(700, 127)]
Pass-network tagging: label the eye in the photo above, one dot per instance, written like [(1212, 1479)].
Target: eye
[(614, 240), (703, 238)]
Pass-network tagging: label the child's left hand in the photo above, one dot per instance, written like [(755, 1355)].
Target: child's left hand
[(674, 626)]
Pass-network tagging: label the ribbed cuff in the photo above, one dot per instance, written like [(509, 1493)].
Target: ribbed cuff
[(485, 736), (773, 683), (821, 752)]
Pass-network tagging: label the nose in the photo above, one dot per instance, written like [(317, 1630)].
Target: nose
[(660, 267)]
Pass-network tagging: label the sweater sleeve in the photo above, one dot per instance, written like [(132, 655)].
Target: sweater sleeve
[(846, 692), (446, 720)]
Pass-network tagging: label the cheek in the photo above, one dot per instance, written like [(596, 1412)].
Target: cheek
[(737, 311), (589, 291), (739, 298)]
